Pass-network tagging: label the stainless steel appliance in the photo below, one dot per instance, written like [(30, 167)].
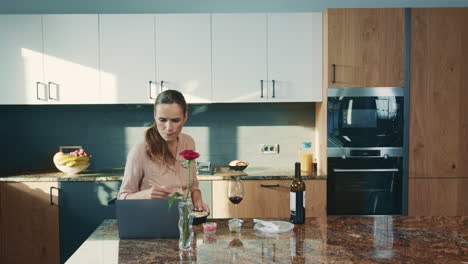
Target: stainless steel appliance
[(365, 151), (365, 181)]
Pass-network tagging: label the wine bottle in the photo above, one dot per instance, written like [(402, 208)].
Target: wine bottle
[(297, 197)]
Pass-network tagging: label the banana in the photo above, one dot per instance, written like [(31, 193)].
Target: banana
[(82, 159), (65, 159), (76, 163), (70, 160)]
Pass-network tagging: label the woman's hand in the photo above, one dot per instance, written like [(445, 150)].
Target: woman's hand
[(161, 192), (201, 206), (198, 203)]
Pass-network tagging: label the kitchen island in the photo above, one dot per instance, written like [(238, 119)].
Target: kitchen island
[(332, 239)]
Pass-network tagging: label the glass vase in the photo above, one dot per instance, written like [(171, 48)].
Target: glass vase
[(185, 226)]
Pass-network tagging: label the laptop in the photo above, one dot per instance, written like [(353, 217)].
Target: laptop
[(152, 218)]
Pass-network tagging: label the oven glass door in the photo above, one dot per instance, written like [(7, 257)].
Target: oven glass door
[(372, 121), (364, 190)]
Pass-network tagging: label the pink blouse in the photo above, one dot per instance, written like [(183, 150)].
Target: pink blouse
[(140, 169)]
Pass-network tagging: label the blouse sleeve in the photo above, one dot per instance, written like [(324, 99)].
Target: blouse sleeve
[(133, 174)]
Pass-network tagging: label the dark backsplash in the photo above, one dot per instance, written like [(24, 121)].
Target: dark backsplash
[(223, 132)]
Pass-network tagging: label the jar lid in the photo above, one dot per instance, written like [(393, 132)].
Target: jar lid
[(306, 144)]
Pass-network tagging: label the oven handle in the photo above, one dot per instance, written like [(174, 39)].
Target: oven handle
[(366, 170)]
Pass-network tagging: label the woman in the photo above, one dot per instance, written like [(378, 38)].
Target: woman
[(153, 170)]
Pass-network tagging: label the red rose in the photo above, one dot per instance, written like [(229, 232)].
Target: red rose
[(189, 154)]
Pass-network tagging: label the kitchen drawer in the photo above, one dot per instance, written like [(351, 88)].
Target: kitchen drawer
[(262, 200)]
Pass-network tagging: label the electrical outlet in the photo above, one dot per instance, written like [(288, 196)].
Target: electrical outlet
[(269, 148)]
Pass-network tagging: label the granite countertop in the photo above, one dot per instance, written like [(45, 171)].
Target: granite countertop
[(116, 174), (332, 239), (258, 173), (52, 175)]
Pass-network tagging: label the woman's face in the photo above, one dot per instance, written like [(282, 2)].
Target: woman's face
[(170, 119)]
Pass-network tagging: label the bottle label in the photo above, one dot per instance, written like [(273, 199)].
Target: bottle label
[(292, 201)]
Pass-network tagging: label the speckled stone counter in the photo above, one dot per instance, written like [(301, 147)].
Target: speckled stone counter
[(55, 175), (260, 173), (116, 174), (334, 239)]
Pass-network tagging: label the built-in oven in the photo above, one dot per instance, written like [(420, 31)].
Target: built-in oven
[(364, 181), (365, 151)]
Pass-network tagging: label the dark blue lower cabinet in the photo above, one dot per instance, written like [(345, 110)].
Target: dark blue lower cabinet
[(83, 206)]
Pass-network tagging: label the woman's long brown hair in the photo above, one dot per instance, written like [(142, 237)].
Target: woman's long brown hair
[(158, 149)]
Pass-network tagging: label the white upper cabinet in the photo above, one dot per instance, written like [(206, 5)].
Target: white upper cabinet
[(21, 65), (131, 58), (183, 55), (127, 54), (239, 51), (294, 57), (267, 57), (71, 58)]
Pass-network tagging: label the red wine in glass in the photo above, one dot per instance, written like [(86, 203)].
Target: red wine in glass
[(235, 199), (235, 193)]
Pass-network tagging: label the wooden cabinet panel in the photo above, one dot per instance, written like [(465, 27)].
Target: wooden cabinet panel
[(258, 201), (29, 223), (268, 202), (435, 197), (316, 198), (439, 114), (367, 47)]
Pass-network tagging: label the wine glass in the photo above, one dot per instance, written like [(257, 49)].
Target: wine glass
[(235, 193)]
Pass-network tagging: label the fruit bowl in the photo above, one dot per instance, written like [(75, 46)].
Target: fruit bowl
[(73, 162), (238, 165), (72, 170)]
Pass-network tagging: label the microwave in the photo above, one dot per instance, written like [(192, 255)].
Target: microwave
[(365, 117)]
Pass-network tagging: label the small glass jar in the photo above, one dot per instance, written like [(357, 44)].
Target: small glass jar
[(235, 225), (209, 228)]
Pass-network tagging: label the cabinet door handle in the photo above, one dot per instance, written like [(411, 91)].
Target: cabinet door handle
[(151, 90), (333, 73), (162, 86), (273, 81), (50, 194), (56, 91), (37, 91), (261, 88), (269, 185)]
